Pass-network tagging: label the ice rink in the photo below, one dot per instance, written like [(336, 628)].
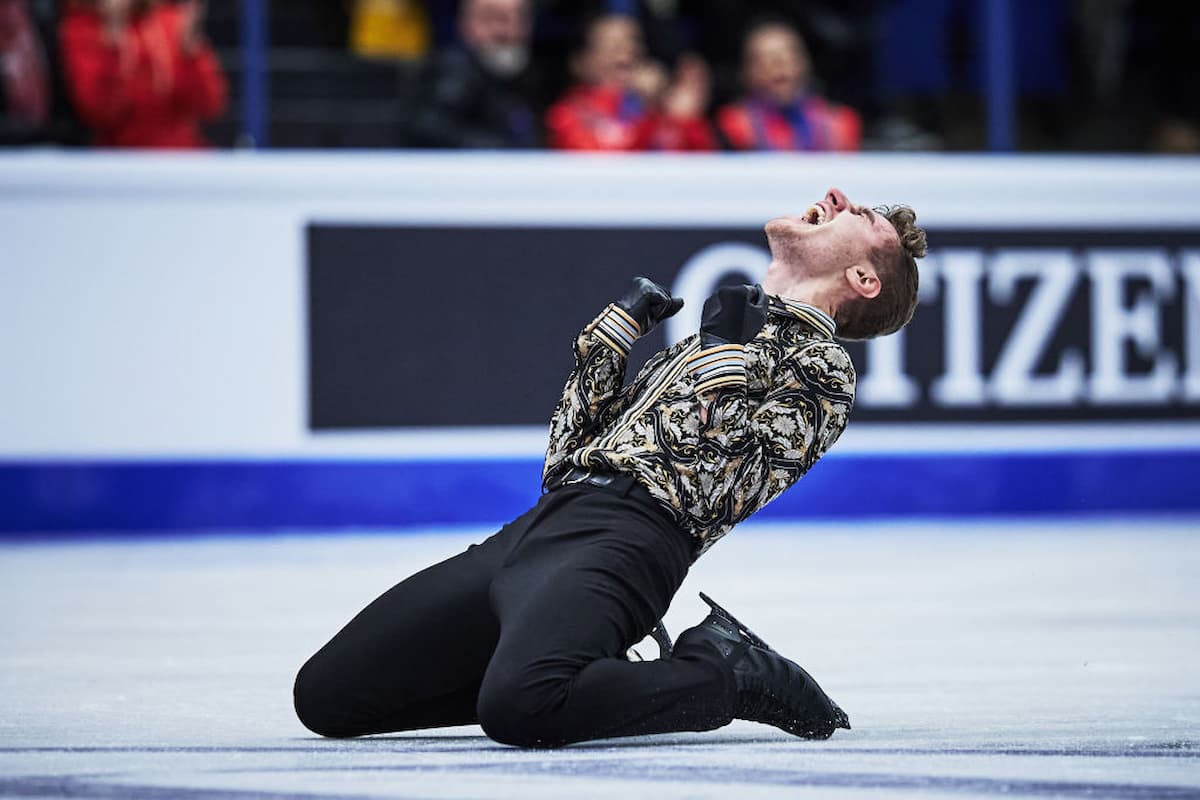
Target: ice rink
[(1016, 660)]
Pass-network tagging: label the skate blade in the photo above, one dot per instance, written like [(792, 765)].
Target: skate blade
[(661, 639), (750, 635)]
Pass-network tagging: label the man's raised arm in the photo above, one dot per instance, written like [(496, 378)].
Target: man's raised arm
[(589, 399)]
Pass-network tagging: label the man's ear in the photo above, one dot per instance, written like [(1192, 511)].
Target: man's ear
[(863, 280)]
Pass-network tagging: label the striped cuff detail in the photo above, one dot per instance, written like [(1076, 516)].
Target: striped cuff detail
[(719, 367), (617, 329)]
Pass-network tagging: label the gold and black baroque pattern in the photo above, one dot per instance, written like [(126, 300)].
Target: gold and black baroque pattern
[(713, 458)]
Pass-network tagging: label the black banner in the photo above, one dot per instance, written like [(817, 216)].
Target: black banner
[(460, 326)]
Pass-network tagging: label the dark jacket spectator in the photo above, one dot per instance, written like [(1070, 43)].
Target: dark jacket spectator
[(140, 73), (779, 111), (483, 92), (25, 90), (624, 101)]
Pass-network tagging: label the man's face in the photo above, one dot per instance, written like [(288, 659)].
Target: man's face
[(489, 24), (831, 235), (613, 52), (776, 64)]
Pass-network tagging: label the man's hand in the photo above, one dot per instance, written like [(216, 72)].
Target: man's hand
[(688, 94), (648, 303), (733, 315), (649, 81)]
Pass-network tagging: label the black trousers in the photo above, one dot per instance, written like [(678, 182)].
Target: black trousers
[(525, 634)]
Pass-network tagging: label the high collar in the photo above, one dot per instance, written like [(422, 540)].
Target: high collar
[(811, 315)]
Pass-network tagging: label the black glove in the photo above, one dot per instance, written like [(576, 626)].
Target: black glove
[(648, 303), (733, 315)]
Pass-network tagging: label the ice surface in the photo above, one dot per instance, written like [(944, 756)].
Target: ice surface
[(1024, 660)]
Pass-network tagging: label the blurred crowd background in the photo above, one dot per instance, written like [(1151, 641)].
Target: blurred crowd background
[(1085, 75)]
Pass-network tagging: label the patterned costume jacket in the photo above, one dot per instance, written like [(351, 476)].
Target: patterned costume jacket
[(713, 435)]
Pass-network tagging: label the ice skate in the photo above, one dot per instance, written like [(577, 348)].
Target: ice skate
[(770, 688), (661, 639)]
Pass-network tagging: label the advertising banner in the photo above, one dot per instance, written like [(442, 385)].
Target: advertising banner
[(432, 326)]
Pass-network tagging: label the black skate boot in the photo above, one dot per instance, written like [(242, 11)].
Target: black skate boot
[(770, 688)]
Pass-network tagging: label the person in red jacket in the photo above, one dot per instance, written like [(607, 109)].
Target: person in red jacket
[(779, 111), (25, 100), (140, 73), (623, 101)]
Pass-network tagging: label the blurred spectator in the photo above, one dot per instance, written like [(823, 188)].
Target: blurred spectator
[(390, 29), (560, 24), (483, 91), (25, 97), (140, 72), (779, 110), (623, 101), (1176, 137)]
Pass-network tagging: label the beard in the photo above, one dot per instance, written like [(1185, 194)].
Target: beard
[(784, 240), (505, 60)]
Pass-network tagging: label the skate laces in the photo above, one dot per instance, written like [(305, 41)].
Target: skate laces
[(734, 623)]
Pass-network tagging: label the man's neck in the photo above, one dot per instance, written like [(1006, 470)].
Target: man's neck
[(782, 282)]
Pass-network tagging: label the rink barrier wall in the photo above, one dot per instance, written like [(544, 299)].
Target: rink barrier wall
[(50, 499), (225, 341)]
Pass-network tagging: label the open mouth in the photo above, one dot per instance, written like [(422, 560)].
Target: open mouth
[(815, 215)]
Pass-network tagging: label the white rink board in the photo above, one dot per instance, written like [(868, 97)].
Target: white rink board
[(1029, 661), (154, 305)]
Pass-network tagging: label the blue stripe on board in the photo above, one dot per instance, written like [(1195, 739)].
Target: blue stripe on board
[(162, 496)]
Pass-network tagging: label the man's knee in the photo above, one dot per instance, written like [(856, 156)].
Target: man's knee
[(317, 705), (505, 716)]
